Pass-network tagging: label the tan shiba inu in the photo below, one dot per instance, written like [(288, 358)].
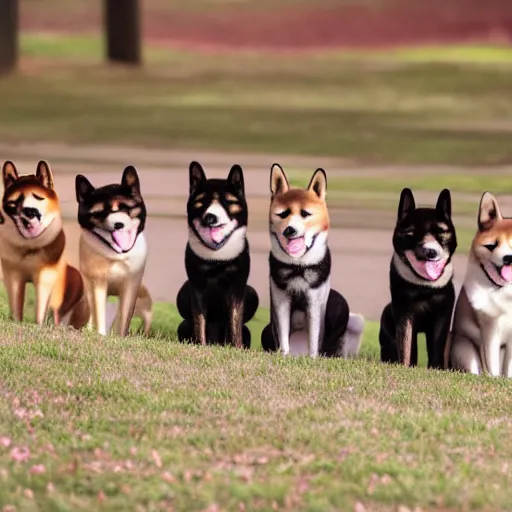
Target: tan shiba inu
[(307, 316), (32, 244), (113, 251), (481, 340)]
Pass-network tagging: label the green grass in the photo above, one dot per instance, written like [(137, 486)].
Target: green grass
[(90, 423), (369, 108)]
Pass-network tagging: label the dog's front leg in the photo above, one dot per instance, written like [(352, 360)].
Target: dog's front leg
[(404, 340), (97, 293), (506, 367), (316, 322), (236, 322), (437, 338), (280, 311), (490, 348), (44, 283), (127, 301), (15, 286), (199, 316)]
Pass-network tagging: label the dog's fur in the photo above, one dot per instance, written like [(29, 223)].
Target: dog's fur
[(217, 257), (113, 250), (422, 292), (482, 324), (32, 245), (300, 270)]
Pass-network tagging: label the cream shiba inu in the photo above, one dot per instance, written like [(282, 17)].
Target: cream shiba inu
[(32, 244), (482, 325), (307, 316), (113, 250)]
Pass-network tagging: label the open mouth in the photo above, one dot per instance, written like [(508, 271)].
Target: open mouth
[(214, 237), (431, 270), (29, 228), (120, 241), (294, 247), (498, 275)]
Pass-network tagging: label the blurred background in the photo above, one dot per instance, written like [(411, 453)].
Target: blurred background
[(381, 93)]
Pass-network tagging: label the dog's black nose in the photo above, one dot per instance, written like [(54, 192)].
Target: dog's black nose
[(209, 220), (118, 225), (507, 260), (430, 254), (289, 232), (31, 213)]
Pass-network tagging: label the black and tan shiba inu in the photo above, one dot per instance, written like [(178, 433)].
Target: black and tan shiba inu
[(422, 292), (32, 245), (113, 250), (481, 338), (216, 301), (307, 316)]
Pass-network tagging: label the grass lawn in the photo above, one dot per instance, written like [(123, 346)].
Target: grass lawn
[(369, 107), (149, 424)]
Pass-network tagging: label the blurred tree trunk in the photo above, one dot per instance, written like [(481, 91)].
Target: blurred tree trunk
[(123, 33), (8, 35)]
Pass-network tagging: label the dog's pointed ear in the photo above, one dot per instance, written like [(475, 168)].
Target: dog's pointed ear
[(278, 180), (318, 184), (83, 188), (9, 173), (236, 178), (488, 211), (131, 179), (406, 204), (44, 174), (197, 177), (444, 204)]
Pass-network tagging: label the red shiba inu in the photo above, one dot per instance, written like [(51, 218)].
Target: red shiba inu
[(481, 338), (307, 316), (32, 244)]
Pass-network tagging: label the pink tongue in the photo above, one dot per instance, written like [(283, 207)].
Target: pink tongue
[(295, 246), (217, 234), (506, 273), (124, 239), (434, 269)]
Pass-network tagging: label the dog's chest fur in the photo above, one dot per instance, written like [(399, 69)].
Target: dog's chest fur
[(297, 280), (216, 278)]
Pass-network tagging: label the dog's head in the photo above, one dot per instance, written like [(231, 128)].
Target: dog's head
[(492, 245), (116, 213), (216, 208), (30, 201), (424, 238), (299, 219)]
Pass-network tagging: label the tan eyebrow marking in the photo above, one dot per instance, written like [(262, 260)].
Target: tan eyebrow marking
[(135, 212), (442, 225), (200, 196), (234, 208), (231, 197), (96, 208)]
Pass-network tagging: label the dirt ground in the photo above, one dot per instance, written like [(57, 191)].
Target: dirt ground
[(360, 256), (301, 26)]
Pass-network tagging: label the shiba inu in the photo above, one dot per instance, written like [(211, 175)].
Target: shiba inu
[(32, 244), (113, 250), (307, 316), (216, 301), (481, 338), (422, 292)]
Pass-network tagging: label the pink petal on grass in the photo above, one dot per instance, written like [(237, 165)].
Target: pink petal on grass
[(20, 453), (5, 441), (38, 469), (156, 458)]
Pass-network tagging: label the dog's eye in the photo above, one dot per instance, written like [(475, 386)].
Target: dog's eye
[(284, 214), (39, 198), (304, 214), (492, 246), (409, 232), (11, 205)]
